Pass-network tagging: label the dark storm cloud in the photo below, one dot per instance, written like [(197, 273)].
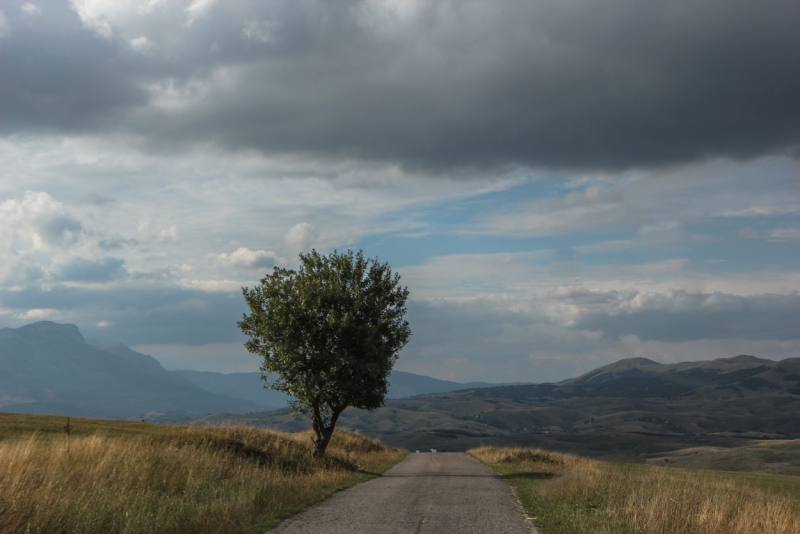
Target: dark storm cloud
[(679, 316), (58, 76), (562, 85)]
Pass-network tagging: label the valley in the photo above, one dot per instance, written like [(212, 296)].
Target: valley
[(632, 410), (734, 414)]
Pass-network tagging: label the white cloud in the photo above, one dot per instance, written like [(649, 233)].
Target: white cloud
[(40, 314), (141, 44), (387, 15), (5, 27), (656, 203), (301, 237), (212, 201), (197, 10), (38, 221), (99, 14), (112, 17), (36, 232), (244, 258), (226, 202), (677, 315), (168, 234), (785, 233), (593, 207), (262, 31), (30, 9), (505, 278)]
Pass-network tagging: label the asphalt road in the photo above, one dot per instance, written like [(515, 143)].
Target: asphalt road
[(436, 493)]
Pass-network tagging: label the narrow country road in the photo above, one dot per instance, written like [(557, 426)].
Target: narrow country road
[(436, 493)]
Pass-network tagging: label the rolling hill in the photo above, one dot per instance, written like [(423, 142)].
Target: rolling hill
[(633, 410)]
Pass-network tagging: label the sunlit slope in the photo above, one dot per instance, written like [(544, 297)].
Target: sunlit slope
[(118, 476)]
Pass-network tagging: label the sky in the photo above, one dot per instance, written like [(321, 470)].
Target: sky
[(559, 184)]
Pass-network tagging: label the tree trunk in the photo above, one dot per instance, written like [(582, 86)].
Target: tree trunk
[(322, 438), (323, 432)]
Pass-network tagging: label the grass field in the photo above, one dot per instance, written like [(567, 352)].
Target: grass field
[(121, 477), (775, 456), (566, 494)]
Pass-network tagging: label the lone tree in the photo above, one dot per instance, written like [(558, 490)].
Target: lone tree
[(331, 332)]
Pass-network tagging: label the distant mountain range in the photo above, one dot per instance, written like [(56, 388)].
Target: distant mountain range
[(49, 368), (249, 386), (632, 409)]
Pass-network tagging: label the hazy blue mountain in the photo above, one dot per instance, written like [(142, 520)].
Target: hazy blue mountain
[(403, 385), (250, 386), (240, 385), (49, 368)]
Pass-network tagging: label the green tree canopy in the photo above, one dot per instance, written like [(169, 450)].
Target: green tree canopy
[(330, 331)]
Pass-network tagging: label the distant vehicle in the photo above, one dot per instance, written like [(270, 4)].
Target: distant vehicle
[(433, 450)]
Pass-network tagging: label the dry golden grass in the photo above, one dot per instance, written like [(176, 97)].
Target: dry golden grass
[(599, 497), (774, 456), (173, 479), (553, 461)]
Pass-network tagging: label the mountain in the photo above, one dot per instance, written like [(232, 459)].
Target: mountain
[(633, 409), (403, 385), (683, 375), (49, 368), (249, 386)]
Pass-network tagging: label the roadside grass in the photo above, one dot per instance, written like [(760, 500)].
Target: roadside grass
[(123, 477), (566, 494), (780, 484)]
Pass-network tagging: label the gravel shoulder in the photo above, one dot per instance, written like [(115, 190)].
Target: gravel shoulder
[(436, 493)]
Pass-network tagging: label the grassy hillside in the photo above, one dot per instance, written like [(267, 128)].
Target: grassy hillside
[(614, 429), (725, 411), (779, 457), (118, 476), (566, 494)]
